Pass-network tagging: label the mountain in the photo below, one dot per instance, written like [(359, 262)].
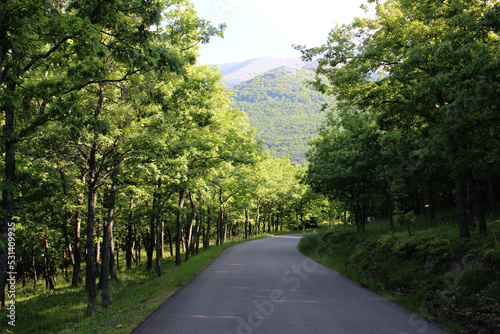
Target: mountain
[(235, 73), (285, 110)]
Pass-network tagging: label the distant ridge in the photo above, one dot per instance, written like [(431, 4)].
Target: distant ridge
[(238, 72)]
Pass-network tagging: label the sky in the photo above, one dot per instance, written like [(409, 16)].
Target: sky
[(257, 28)]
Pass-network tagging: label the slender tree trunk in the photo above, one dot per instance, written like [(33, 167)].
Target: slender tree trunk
[(108, 266), (67, 241), (33, 263), (129, 241), (149, 243), (432, 204), (460, 202), (389, 210), (491, 195), (478, 202), (269, 210), (206, 242), (77, 271), (170, 242), (189, 227), (357, 214), (159, 244), (49, 284), (469, 203), (196, 234), (199, 224), (90, 279), (246, 223), (460, 206), (257, 218), (224, 229), (178, 237), (162, 239), (281, 218), (98, 247)]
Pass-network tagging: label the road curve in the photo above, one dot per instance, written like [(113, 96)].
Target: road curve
[(268, 286)]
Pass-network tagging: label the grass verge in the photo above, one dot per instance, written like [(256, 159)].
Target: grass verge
[(450, 281)]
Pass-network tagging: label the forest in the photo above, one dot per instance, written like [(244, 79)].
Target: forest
[(117, 145)]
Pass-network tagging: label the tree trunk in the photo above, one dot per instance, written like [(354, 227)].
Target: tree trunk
[(189, 227), (162, 239), (33, 263), (170, 242), (432, 205), (491, 195), (98, 247), (257, 219), (108, 262), (49, 284), (178, 237), (159, 244), (269, 210), (206, 242), (246, 223), (77, 271), (67, 241), (224, 227), (469, 203), (129, 241), (199, 223), (460, 206), (478, 202), (90, 279)]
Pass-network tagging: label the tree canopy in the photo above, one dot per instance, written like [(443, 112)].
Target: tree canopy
[(436, 94)]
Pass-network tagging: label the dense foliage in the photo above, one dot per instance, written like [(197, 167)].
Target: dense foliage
[(425, 134)]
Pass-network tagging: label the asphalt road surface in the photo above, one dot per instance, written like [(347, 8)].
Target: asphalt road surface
[(268, 286)]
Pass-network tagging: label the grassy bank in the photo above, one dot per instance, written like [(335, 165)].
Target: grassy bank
[(449, 281), (136, 295)]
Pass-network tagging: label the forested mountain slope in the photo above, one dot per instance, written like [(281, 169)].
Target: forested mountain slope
[(285, 111)]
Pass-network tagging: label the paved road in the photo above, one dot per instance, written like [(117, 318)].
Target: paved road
[(268, 286)]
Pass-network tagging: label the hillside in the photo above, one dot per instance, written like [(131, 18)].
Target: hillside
[(285, 111), (238, 72)]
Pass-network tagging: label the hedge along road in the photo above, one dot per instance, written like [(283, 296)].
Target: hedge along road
[(268, 286)]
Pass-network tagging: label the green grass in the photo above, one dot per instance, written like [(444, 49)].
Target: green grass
[(138, 293), (417, 271)]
